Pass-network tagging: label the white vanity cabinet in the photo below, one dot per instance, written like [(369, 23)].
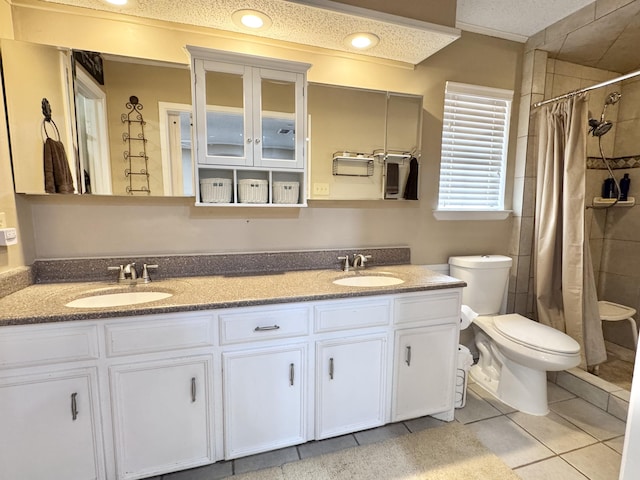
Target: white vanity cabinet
[(161, 415), (264, 368), (250, 124), (426, 340), (351, 365), (160, 372), (50, 416), (350, 379)]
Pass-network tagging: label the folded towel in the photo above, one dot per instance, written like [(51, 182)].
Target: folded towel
[(57, 175), (393, 179), (411, 190)]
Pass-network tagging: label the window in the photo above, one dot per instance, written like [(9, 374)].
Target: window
[(475, 133)]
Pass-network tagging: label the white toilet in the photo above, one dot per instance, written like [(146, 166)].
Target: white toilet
[(515, 352)]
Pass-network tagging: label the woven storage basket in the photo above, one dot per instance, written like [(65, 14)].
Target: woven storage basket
[(215, 190), (286, 192), (253, 191)]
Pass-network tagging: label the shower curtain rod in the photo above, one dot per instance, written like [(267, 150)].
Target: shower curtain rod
[(586, 89)]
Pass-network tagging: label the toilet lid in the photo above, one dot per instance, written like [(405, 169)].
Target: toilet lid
[(534, 334)]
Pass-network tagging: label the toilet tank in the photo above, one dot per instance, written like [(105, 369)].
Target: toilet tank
[(487, 278)]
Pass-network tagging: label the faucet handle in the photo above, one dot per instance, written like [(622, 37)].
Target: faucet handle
[(120, 269), (145, 272), (346, 262)]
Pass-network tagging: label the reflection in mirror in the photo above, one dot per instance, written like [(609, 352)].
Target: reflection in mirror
[(88, 116), (353, 124), (30, 73), (163, 90)]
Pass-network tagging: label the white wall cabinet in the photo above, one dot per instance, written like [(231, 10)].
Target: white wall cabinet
[(161, 411), (350, 384), (250, 124), (50, 426), (265, 399)]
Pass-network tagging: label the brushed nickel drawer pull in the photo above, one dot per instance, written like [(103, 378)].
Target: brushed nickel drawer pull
[(291, 374), (193, 389), (408, 356), (267, 328), (331, 368)]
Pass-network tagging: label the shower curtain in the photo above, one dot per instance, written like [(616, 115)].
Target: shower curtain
[(563, 273)]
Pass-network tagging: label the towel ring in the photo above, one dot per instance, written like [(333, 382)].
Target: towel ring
[(46, 111)]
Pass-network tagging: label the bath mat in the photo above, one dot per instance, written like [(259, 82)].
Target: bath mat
[(443, 453)]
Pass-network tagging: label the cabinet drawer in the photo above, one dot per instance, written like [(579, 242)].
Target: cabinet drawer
[(36, 345), (263, 324), (352, 314), (165, 333), (420, 308)]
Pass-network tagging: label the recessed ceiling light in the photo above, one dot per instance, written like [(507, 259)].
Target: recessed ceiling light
[(361, 41), (117, 2), (252, 19)]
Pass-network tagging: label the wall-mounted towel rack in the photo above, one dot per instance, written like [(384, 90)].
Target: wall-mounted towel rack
[(351, 164)]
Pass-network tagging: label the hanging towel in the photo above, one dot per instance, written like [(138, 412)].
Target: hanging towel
[(392, 180), (411, 190), (57, 175)]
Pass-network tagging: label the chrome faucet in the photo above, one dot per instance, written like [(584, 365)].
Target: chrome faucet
[(359, 260), (128, 274)]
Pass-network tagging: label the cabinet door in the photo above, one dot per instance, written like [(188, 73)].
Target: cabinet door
[(350, 385), (161, 415), (424, 371), (224, 124), (278, 128), (49, 427), (265, 399)]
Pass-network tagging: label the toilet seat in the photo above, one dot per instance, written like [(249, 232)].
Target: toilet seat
[(535, 335)]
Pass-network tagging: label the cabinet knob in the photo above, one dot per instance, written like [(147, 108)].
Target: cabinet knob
[(249, 140)]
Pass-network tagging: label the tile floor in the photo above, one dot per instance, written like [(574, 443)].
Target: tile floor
[(575, 441)]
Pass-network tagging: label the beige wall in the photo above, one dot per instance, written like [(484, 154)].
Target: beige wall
[(13, 256), (80, 226)]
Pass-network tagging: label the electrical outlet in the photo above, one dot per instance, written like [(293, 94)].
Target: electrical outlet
[(3, 220), (321, 189)]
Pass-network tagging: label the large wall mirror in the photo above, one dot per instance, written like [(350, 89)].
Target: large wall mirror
[(90, 95)]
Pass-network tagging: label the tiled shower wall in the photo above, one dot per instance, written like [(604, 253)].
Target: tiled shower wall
[(614, 233)]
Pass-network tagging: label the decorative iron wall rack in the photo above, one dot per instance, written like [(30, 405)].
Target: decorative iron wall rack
[(136, 153)]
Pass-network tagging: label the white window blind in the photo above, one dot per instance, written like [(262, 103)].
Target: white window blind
[(475, 133)]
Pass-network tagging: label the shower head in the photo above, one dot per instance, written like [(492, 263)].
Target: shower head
[(598, 128), (612, 98)]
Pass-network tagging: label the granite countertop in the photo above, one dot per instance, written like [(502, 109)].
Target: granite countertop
[(44, 303)]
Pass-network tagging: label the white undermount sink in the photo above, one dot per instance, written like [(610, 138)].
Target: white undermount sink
[(117, 299), (368, 281)]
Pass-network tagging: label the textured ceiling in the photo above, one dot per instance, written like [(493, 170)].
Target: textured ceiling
[(518, 18), (403, 40)]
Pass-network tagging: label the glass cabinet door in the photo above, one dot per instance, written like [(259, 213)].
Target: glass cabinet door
[(278, 126), (224, 127)]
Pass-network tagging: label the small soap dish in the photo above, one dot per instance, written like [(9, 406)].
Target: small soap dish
[(603, 202)]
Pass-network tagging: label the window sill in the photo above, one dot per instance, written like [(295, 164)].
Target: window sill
[(471, 214)]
